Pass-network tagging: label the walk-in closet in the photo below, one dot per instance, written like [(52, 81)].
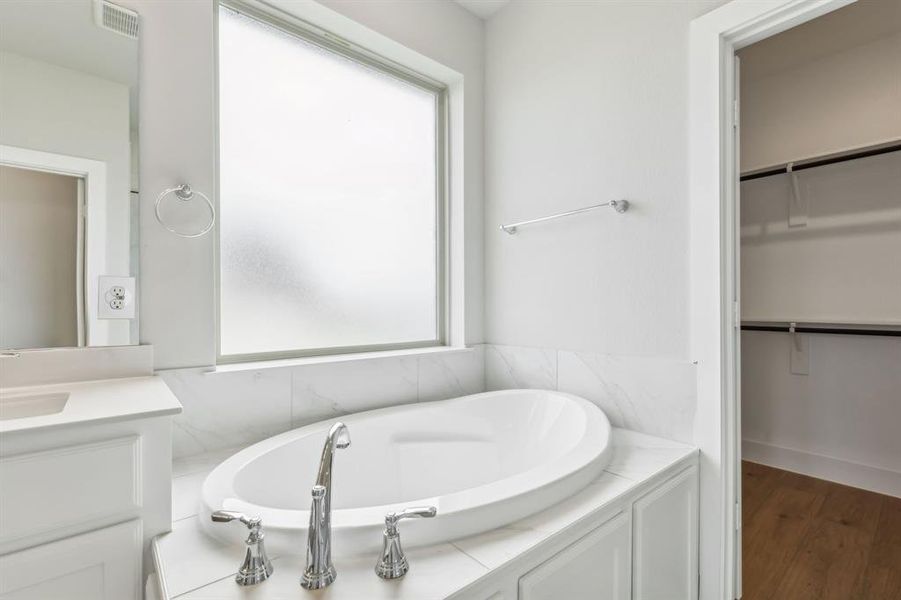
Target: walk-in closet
[(820, 221)]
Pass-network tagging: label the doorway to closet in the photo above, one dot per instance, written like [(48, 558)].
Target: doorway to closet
[(820, 289)]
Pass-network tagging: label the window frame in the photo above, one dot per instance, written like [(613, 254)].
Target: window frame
[(310, 33)]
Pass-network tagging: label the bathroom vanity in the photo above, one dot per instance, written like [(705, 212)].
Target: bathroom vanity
[(85, 427), (85, 470), (630, 533)]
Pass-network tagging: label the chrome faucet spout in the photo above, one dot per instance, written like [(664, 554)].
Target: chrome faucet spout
[(319, 571), (338, 437)]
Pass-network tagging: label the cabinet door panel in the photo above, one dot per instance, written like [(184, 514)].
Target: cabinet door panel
[(665, 521), (596, 567), (100, 565), (50, 490)]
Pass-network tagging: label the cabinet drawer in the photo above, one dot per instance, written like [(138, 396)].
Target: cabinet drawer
[(65, 487), (100, 565)]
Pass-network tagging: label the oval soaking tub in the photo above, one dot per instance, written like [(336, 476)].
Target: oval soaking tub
[(483, 460)]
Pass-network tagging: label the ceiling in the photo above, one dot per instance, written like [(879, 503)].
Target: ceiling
[(482, 8), (64, 34), (856, 24)]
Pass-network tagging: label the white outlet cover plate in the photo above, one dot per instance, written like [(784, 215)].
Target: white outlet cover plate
[(104, 310)]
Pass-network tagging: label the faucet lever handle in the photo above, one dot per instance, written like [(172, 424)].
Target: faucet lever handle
[(256, 567), (417, 512), (224, 516), (393, 562)]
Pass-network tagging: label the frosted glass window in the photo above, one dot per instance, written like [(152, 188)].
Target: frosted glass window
[(329, 203)]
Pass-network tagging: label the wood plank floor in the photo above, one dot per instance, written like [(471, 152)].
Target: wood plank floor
[(809, 539)]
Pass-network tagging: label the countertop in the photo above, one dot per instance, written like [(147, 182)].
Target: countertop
[(96, 401), (194, 566)]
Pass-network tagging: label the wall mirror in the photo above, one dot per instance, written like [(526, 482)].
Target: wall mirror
[(68, 174)]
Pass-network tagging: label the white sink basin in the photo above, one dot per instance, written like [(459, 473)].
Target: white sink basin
[(19, 406), (483, 460)]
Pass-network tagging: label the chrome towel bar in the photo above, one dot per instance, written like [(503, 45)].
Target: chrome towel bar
[(619, 206)]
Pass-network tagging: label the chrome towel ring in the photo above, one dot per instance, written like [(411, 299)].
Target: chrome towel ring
[(184, 193)]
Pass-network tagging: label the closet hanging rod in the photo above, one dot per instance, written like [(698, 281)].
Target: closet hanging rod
[(823, 329), (619, 206), (821, 162)]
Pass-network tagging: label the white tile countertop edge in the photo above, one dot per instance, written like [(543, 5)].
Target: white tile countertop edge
[(96, 401), (192, 566)]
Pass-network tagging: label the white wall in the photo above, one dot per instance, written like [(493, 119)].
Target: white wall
[(648, 394), (839, 268), (840, 101), (38, 305), (53, 109), (839, 422), (178, 143), (587, 102)]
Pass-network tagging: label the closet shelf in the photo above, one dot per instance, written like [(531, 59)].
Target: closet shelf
[(822, 161)]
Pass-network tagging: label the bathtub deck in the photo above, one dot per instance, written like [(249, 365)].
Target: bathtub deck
[(193, 566)]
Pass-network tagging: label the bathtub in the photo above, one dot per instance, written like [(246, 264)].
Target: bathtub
[(483, 460)]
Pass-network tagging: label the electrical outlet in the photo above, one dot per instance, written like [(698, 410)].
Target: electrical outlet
[(117, 298)]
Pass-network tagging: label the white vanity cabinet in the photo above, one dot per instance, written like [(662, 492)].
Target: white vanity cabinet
[(81, 498)]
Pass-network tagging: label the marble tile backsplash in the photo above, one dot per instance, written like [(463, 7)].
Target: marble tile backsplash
[(224, 410), (328, 390), (232, 409), (511, 367), (452, 375), (656, 396), (236, 408)]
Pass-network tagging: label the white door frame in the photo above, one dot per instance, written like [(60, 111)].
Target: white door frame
[(715, 314), (93, 172)]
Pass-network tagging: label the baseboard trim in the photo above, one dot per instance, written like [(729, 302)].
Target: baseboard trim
[(874, 479)]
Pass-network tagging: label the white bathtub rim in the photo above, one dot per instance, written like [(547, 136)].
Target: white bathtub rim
[(583, 463)]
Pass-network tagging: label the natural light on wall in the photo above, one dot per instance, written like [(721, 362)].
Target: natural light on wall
[(329, 199)]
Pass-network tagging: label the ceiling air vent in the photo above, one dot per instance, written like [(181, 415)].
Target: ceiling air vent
[(116, 19)]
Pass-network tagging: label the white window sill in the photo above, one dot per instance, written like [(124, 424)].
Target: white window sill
[(336, 358)]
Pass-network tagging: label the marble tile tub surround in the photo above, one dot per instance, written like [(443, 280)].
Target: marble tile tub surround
[(235, 408), (652, 395)]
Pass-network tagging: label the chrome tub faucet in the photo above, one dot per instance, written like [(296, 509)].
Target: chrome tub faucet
[(320, 572)]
